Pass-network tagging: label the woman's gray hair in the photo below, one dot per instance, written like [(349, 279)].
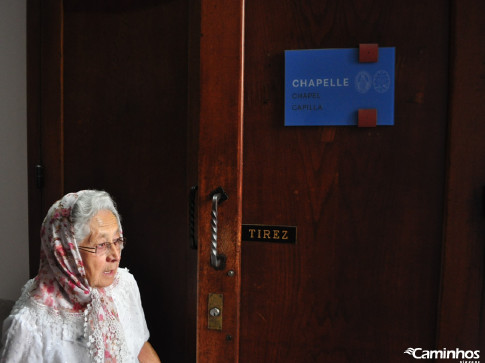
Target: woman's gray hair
[(88, 204)]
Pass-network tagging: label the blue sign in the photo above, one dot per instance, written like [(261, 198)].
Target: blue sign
[(327, 87)]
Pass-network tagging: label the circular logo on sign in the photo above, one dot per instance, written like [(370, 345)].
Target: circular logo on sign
[(382, 81), (363, 82)]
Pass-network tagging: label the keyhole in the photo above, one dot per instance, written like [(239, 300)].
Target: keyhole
[(215, 312)]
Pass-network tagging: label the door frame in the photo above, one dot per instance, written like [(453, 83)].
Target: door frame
[(220, 165)]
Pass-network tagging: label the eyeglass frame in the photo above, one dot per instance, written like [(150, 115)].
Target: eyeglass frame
[(108, 244)]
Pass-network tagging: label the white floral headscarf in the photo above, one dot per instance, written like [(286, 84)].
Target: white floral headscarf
[(61, 285)]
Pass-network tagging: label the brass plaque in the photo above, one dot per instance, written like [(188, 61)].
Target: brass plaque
[(264, 233), (215, 308)]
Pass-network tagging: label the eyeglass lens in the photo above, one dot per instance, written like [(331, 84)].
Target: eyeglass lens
[(104, 247)]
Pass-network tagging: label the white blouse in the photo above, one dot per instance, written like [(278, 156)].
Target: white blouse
[(35, 333)]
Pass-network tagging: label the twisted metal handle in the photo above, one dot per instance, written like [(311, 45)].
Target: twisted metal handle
[(218, 261)]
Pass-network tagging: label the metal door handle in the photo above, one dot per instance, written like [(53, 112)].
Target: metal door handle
[(218, 261)]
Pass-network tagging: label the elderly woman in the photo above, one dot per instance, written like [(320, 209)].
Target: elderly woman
[(81, 307)]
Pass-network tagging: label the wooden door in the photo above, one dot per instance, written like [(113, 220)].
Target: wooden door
[(363, 282), (108, 110), (376, 209)]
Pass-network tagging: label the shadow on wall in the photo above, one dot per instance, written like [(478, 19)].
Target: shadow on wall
[(5, 308)]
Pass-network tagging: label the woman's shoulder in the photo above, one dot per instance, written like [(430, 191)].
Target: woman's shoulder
[(125, 276), (33, 329), (126, 281), (28, 319), (29, 314), (23, 309)]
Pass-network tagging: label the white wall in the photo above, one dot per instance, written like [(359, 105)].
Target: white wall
[(14, 256)]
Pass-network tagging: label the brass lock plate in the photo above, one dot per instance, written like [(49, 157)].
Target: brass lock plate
[(215, 308)]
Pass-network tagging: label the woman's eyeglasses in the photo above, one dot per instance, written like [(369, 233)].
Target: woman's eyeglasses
[(102, 249)]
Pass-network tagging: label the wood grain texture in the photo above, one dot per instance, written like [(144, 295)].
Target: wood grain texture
[(362, 283), (461, 310), (220, 164)]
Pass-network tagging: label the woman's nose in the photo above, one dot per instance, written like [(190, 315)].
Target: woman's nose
[(114, 254)]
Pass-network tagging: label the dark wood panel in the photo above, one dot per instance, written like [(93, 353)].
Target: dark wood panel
[(45, 115), (461, 311), (36, 214), (124, 98), (362, 283)]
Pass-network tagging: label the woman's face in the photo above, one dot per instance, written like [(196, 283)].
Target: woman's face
[(101, 270)]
